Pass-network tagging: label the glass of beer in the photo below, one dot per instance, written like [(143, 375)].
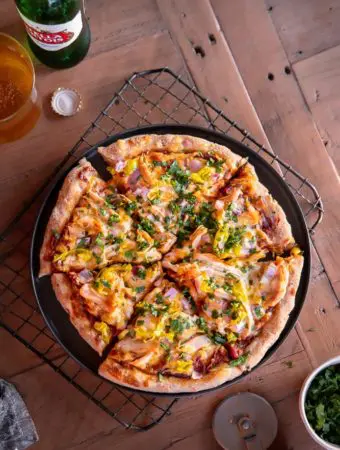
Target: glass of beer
[(19, 109)]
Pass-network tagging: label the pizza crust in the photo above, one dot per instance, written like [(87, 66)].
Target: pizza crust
[(73, 188), (72, 304), (132, 377), (273, 328), (171, 143)]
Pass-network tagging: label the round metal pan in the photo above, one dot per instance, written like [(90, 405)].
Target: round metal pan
[(57, 319)]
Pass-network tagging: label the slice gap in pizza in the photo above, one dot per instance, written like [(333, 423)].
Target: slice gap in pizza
[(100, 304), (165, 348), (243, 302)]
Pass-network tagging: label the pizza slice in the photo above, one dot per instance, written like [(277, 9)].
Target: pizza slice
[(239, 300), (171, 178), (100, 304), (92, 226), (248, 219), (165, 349)]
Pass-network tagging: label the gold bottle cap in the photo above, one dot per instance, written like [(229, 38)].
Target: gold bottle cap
[(66, 101)]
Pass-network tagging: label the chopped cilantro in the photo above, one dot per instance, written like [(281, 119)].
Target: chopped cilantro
[(159, 298), (240, 360), (174, 207), (179, 325), (205, 217), (140, 322), (235, 237), (114, 218), (217, 338), (160, 163), (229, 214), (146, 225), (103, 211), (141, 273), (258, 310), (322, 404), (167, 222), (215, 314), (98, 259), (201, 323), (106, 284), (99, 240), (83, 242), (217, 163), (139, 289), (142, 245), (130, 207), (180, 177), (129, 254), (156, 200), (165, 346)]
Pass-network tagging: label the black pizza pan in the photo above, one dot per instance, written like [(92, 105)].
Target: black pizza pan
[(57, 319)]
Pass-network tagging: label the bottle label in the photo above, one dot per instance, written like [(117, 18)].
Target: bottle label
[(54, 37)]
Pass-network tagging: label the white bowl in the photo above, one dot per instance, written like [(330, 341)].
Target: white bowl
[(302, 399)]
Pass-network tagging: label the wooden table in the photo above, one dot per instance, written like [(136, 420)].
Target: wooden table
[(274, 66)]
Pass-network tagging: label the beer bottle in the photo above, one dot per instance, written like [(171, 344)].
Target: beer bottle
[(58, 32)]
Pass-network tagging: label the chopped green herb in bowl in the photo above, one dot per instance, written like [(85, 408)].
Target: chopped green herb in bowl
[(320, 404)]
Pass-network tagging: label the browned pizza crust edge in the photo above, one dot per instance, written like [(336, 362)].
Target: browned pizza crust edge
[(72, 189), (131, 377), (63, 290), (136, 145), (274, 327)]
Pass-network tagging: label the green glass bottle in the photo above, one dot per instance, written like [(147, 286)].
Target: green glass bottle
[(58, 32)]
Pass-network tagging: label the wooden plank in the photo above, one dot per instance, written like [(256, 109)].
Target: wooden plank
[(62, 415), (282, 110), (31, 159), (185, 425), (305, 27), (210, 61), (319, 78)]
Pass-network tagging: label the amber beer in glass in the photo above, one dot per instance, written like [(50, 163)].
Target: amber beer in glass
[(19, 110), (58, 32)]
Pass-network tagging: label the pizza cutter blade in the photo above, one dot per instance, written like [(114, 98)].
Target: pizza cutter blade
[(245, 421)]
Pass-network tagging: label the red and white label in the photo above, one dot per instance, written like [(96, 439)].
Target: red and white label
[(54, 37)]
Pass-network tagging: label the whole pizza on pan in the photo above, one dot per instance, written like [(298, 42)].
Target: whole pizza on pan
[(181, 266)]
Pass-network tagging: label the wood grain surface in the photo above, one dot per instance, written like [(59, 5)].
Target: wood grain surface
[(272, 65)]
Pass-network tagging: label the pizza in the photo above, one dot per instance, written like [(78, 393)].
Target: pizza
[(180, 267)]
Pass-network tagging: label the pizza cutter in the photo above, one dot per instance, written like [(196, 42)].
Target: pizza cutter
[(245, 421)]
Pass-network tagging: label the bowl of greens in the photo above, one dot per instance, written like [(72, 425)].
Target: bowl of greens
[(320, 404)]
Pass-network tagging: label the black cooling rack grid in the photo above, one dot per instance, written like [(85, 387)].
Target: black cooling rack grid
[(146, 98)]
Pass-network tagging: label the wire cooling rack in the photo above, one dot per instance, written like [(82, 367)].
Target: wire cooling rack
[(149, 97)]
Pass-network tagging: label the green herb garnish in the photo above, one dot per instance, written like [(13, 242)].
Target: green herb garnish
[(322, 404), (139, 289), (147, 226), (240, 360)]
